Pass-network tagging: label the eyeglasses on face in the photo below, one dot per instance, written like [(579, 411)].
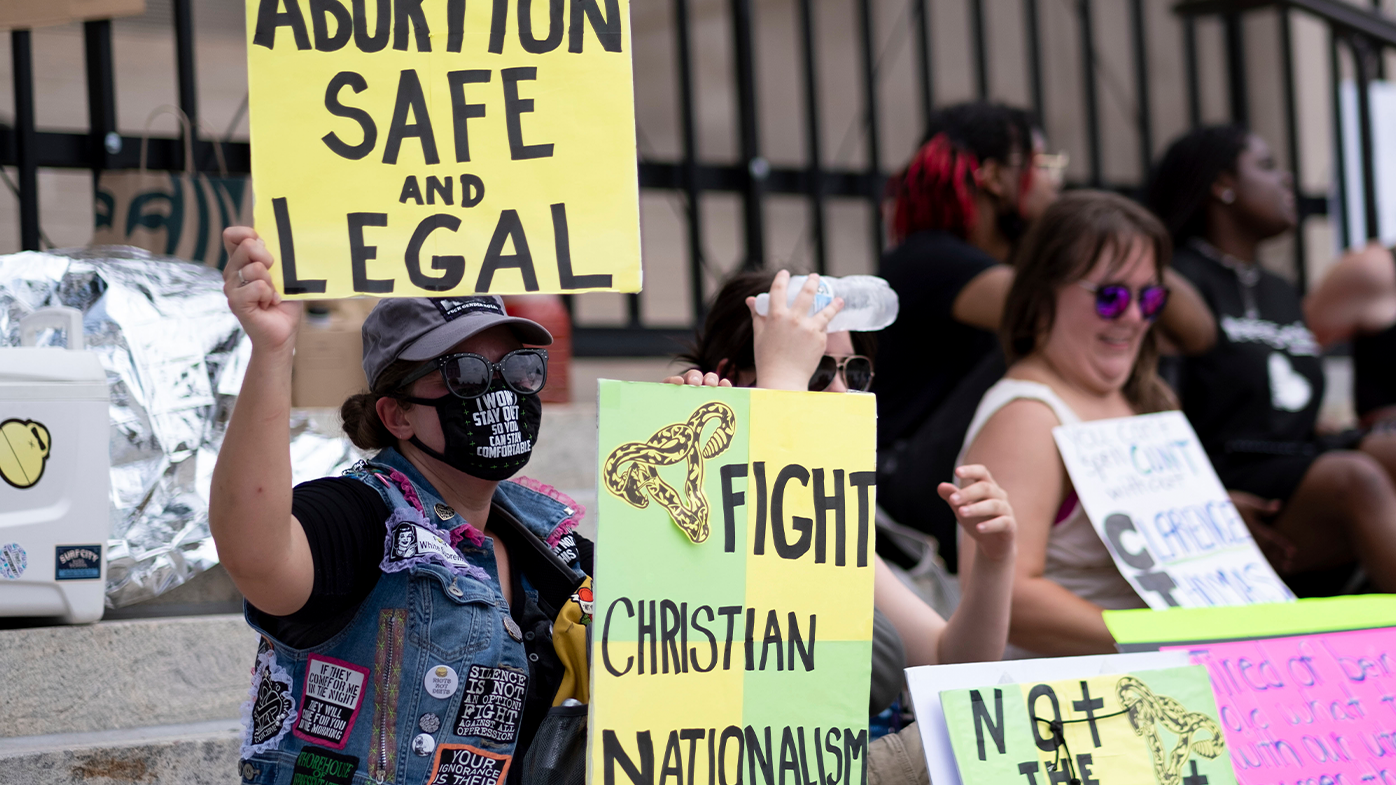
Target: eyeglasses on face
[(469, 375), (857, 372), (1113, 299)]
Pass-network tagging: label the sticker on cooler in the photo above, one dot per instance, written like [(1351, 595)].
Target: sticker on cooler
[(77, 562), (462, 764), (334, 691)]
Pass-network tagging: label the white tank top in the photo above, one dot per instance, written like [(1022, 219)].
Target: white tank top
[(1076, 559)]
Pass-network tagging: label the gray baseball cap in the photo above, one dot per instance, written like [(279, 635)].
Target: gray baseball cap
[(420, 328)]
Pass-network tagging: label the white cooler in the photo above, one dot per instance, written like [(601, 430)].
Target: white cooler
[(54, 474)]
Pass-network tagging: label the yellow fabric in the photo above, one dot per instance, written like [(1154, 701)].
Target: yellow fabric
[(570, 642)]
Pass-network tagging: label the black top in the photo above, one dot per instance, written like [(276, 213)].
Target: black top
[(925, 353), (1374, 371), (343, 522), (1257, 391)]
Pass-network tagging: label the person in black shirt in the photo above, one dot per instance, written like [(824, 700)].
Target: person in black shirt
[(1254, 398), (961, 204)]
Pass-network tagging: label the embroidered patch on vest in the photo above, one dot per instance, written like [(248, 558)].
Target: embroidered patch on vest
[(334, 690), (409, 542), (267, 714), (387, 681), (566, 548), (462, 764), (317, 766), (492, 703)]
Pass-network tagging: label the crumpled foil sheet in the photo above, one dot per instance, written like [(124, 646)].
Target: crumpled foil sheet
[(175, 358)]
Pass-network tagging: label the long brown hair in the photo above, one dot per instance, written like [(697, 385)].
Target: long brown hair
[(1060, 249)]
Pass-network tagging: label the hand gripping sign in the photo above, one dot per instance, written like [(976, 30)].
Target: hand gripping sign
[(1153, 498), (439, 147)]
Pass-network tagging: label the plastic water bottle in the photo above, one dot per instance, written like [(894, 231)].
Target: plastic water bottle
[(868, 302)]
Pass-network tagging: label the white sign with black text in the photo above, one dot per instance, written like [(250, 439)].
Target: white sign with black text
[(1155, 501)]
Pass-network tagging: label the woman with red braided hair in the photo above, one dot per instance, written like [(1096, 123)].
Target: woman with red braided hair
[(960, 206)]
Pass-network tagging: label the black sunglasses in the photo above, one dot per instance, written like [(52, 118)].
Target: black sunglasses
[(1112, 300), (468, 375), (856, 369)]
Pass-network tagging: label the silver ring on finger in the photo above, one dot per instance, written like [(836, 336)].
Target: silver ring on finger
[(242, 281)]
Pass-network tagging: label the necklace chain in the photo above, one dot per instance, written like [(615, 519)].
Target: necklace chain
[(1248, 275)]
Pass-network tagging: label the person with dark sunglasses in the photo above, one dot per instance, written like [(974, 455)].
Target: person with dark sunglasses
[(789, 349), (386, 597)]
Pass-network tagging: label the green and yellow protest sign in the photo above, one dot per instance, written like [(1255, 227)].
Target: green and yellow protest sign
[(439, 147), (1155, 726), (732, 633)]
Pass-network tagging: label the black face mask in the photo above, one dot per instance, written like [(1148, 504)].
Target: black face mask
[(490, 437)]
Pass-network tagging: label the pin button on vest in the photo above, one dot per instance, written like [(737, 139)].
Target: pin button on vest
[(512, 628)]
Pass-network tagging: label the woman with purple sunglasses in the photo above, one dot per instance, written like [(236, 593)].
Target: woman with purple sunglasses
[(1078, 336)]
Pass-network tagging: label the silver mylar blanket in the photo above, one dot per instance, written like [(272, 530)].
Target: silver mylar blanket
[(174, 357)]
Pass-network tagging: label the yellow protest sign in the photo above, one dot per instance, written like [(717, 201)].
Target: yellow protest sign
[(732, 636), (1157, 727), (439, 147)]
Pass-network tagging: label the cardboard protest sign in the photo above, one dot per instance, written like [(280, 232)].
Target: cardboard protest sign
[(1146, 630), (439, 147), (1157, 726), (926, 683), (732, 633), (1153, 498), (1313, 708)]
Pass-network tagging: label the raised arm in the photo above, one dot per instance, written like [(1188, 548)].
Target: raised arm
[(1187, 321), (1357, 296), (1016, 444), (261, 545), (978, 628)]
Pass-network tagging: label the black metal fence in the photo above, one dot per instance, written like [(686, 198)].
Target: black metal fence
[(1361, 33)]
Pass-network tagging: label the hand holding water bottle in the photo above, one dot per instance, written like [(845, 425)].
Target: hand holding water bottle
[(869, 302), (790, 338)]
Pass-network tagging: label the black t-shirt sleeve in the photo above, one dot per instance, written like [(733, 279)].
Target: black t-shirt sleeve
[(953, 272), (343, 522)]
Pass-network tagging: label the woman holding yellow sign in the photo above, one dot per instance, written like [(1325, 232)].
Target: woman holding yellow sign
[(419, 614), (789, 349)]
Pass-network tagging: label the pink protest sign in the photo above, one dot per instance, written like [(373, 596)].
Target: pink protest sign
[(1314, 709)]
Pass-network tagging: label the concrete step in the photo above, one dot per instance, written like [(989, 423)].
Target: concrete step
[(117, 675), (187, 754)]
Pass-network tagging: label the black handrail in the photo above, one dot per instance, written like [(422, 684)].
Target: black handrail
[(1347, 18)]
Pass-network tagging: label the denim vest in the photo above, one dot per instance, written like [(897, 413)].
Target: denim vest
[(427, 682)]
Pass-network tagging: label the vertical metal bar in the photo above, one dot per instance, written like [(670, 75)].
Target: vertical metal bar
[(1088, 91), (757, 167), (1380, 60), (184, 60), (814, 170), (1335, 72), (23, 59), (874, 176), (1363, 52), (683, 47), (1141, 90), (981, 55), (101, 91), (922, 20), (1034, 42), (1190, 64), (1301, 271), (1236, 68)]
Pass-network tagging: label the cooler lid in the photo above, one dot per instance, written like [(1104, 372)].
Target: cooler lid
[(46, 365)]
